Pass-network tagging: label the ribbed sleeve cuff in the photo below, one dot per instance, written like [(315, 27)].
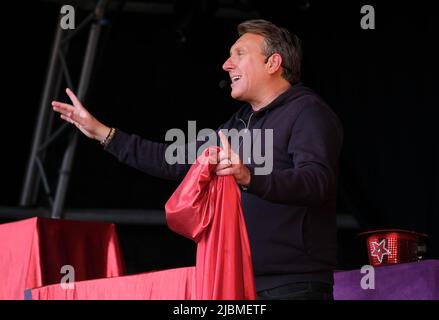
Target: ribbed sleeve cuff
[(117, 143), (258, 183)]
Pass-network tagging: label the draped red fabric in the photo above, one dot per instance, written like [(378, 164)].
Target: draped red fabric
[(171, 284), (207, 208), (92, 248), (33, 251), (19, 258)]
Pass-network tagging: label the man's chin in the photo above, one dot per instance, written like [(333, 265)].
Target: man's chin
[(236, 96)]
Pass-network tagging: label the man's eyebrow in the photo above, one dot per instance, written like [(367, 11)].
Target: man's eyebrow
[(236, 49)]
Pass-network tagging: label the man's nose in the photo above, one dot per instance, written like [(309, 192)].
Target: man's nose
[(228, 65)]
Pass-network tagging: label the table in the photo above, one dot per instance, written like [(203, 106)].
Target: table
[(405, 281), (33, 252), (169, 284), (205, 208)]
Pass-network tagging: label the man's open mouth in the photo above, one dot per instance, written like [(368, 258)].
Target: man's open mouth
[(235, 78)]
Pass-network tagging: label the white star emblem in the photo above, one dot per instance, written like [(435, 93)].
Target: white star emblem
[(379, 250)]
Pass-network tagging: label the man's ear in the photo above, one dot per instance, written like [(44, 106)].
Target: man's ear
[(274, 63)]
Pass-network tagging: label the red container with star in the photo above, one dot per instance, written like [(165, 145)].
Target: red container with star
[(392, 246)]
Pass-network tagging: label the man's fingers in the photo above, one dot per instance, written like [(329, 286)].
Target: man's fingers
[(67, 111), (224, 141), (68, 119), (226, 163), (68, 115), (74, 99), (61, 107), (232, 159), (227, 151), (213, 158), (223, 155), (226, 172)]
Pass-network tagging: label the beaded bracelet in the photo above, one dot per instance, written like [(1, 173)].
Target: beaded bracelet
[(109, 137)]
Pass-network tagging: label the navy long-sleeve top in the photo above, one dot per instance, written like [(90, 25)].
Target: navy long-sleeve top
[(289, 206)]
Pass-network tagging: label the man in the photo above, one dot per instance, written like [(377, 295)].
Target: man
[(289, 210)]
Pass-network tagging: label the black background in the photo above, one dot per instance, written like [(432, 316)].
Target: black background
[(147, 79)]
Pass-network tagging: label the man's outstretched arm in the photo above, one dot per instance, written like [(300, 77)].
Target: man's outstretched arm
[(142, 154)]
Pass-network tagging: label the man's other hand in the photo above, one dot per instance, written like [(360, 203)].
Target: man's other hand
[(231, 164)]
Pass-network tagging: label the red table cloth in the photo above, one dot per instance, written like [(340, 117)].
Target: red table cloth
[(33, 251), (171, 284), (207, 209)]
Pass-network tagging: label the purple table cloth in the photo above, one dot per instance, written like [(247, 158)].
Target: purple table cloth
[(406, 281)]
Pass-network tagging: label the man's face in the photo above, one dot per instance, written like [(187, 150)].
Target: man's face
[(247, 68)]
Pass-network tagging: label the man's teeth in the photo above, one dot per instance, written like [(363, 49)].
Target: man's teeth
[(236, 78)]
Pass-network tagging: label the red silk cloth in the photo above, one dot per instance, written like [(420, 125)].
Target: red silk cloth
[(207, 209), (33, 251)]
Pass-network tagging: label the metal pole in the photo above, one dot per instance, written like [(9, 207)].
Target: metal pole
[(30, 186), (87, 67)]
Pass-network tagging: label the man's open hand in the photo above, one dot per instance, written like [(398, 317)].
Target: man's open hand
[(80, 117)]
